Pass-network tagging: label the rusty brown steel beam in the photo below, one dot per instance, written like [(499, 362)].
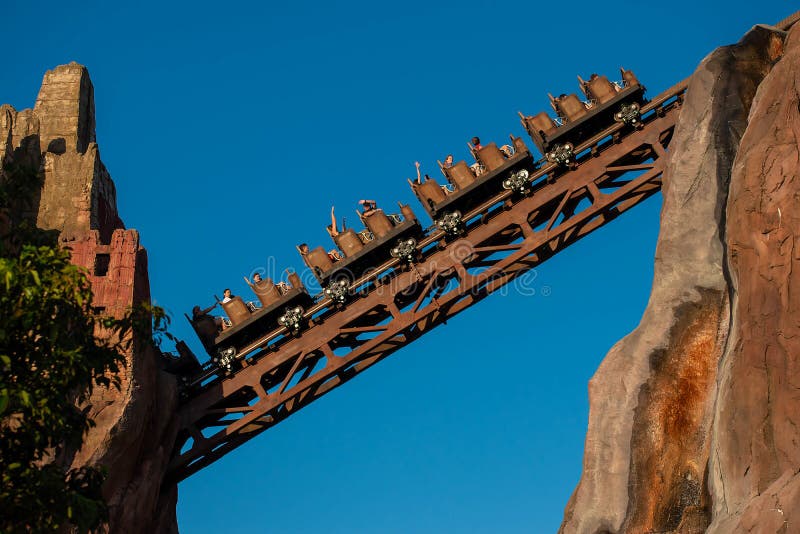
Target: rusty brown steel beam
[(397, 303)]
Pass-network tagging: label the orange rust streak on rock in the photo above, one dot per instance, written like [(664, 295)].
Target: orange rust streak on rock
[(671, 444)]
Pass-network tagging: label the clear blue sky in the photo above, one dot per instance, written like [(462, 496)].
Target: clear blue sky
[(231, 129)]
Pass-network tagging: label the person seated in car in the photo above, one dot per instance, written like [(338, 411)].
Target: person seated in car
[(207, 326), (256, 281), (333, 229), (284, 287), (419, 175), (477, 167), (368, 207), (445, 189), (227, 296), (507, 150), (333, 254)]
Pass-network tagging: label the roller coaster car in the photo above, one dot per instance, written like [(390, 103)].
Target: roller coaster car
[(469, 189), (363, 250), (185, 364), (578, 120), (246, 325)]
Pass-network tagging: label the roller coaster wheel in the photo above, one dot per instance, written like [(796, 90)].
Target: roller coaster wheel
[(561, 154), (405, 249), (518, 181), (450, 223), (225, 358), (628, 113), (292, 319), (338, 291)]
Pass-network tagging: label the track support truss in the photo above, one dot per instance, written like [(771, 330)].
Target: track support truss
[(505, 237)]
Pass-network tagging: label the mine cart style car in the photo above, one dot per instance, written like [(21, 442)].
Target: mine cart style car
[(364, 250), (469, 187), (185, 364), (496, 168), (578, 120), (249, 322)]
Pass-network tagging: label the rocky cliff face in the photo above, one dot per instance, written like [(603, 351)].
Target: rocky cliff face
[(755, 436), (691, 415), (58, 137), (135, 426)]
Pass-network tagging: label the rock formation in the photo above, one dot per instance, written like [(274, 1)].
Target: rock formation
[(702, 436), (135, 426), (755, 439)]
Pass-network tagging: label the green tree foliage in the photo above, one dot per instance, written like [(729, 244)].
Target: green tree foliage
[(50, 360)]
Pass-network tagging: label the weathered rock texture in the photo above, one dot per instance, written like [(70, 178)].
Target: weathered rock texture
[(58, 136), (756, 439), (135, 425), (691, 415)]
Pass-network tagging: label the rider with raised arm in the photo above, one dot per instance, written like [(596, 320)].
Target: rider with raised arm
[(333, 229), (368, 206)]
